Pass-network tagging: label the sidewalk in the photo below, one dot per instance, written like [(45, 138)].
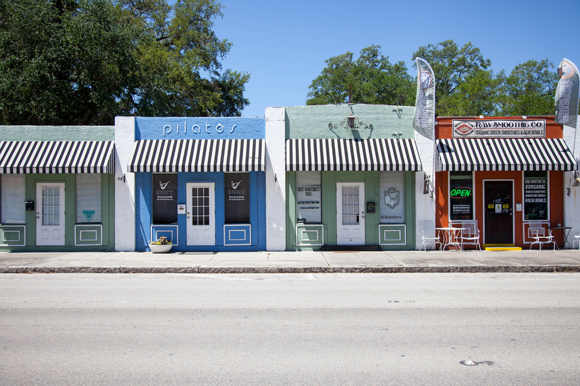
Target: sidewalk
[(567, 260)]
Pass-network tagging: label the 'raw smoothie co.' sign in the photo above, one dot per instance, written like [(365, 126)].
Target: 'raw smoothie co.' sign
[(528, 128)]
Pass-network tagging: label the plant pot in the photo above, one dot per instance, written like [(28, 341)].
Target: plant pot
[(156, 248)]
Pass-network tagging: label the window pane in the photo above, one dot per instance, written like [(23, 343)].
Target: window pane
[(88, 198), (536, 195), (13, 209)]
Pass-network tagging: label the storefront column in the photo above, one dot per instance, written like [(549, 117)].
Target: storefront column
[(124, 185), (275, 179), (572, 193), (425, 203)]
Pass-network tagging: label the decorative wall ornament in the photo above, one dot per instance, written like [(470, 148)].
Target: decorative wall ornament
[(351, 122)]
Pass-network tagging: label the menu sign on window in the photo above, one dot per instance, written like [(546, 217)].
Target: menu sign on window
[(308, 204), (536, 197), (237, 198), (164, 198)]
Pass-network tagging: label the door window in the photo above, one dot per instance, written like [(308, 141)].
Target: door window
[(350, 205), (51, 205), (200, 206)]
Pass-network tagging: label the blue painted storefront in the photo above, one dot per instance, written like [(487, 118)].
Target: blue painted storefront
[(228, 237)]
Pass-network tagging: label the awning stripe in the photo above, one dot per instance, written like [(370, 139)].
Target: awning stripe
[(504, 154), (211, 155), (352, 155), (55, 157)]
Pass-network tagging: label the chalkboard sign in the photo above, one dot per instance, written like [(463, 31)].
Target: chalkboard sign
[(536, 196), (164, 198), (237, 197)]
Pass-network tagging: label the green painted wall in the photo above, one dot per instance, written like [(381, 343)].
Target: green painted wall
[(65, 133), (107, 215), (372, 193), (57, 133), (313, 121)]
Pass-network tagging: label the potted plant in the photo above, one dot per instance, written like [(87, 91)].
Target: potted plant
[(161, 246)]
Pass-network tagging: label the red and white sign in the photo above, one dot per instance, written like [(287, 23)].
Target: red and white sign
[(525, 128)]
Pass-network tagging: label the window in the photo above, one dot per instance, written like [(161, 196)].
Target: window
[(461, 196), (392, 197), (164, 198), (12, 197), (308, 197), (535, 196), (88, 198), (237, 198)]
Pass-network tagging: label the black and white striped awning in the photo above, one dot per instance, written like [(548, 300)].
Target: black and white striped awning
[(53, 157), (352, 155), (210, 155), (504, 154)]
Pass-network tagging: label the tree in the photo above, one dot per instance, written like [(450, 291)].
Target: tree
[(529, 89), (86, 61), (457, 70), (372, 79), (476, 95)]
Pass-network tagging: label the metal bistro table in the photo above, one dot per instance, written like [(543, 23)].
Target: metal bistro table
[(565, 234), (450, 236)]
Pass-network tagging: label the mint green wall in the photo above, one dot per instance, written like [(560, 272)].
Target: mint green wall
[(65, 133), (312, 121), (107, 215), (57, 133), (372, 193)]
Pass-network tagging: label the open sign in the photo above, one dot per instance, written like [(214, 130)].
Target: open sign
[(460, 192)]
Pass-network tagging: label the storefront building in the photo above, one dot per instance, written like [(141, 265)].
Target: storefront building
[(56, 188), (351, 175), (199, 182), (505, 176)]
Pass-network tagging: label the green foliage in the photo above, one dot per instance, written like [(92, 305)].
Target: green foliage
[(529, 89), (458, 70), (86, 61), (372, 80), (465, 84)]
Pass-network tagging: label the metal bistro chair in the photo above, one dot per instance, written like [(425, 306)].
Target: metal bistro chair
[(577, 237), (436, 240), (542, 239), (471, 235)]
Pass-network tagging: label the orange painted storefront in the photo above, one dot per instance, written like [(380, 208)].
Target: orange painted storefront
[(555, 188)]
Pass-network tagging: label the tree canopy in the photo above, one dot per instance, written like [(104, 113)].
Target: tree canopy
[(372, 79), (86, 61), (465, 83)]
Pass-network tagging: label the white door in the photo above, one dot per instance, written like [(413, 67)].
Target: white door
[(350, 215), (200, 214), (50, 213)]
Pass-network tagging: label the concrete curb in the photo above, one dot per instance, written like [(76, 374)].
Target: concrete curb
[(234, 270)]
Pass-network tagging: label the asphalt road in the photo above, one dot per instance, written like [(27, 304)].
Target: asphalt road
[(306, 329)]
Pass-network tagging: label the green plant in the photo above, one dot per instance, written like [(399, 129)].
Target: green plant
[(162, 241)]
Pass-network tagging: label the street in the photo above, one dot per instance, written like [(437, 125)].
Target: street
[(280, 329)]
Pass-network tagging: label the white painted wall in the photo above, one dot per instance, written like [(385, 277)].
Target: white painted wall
[(425, 203), (124, 190), (275, 179), (571, 203)]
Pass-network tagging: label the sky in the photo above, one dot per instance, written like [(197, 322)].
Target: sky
[(283, 45)]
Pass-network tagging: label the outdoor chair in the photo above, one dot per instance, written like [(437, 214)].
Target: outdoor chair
[(541, 239), (435, 240), (471, 239), (470, 234), (577, 237)]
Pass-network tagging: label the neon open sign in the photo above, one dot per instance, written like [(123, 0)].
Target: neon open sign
[(460, 192)]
